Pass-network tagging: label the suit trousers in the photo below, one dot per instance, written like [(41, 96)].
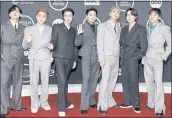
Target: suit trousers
[(63, 70), (11, 76), (90, 74), (153, 72), (130, 82), (36, 67), (108, 82)]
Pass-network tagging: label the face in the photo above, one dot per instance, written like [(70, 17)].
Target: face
[(153, 17), (68, 17), (91, 16), (15, 14), (115, 14), (41, 17), (130, 18)]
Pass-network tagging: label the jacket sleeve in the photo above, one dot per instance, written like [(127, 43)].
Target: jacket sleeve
[(167, 37), (78, 39), (100, 42), (54, 35), (143, 43)]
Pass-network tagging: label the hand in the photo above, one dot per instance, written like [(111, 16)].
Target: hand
[(74, 65), (102, 64), (50, 46), (80, 29), (28, 36)]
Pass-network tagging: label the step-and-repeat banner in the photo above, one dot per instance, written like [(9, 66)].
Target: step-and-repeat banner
[(56, 6)]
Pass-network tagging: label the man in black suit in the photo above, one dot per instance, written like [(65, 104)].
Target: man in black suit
[(65, 55)]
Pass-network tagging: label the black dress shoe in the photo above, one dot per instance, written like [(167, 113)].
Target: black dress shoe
[(137, 110), (102, 112), (125, 106), (93, 106), (147, 107), (84, 111), (3, 115), (160, 114), (116, 106), (22, 109)]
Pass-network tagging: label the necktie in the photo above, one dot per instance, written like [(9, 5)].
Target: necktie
[(115, 28), (15, 26), (93, 28)]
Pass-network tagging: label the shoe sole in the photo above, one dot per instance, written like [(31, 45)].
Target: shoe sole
[(125, 107), (137, 111)]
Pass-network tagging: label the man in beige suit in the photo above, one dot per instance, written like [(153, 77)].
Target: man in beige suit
[(157, 34), (108, 48), (36, 39)]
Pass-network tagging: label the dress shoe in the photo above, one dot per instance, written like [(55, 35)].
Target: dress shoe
[(160, 114), (102, 112), (116, 106), (93, 106), (62, 114), (71, 106), (84, 111), (137, 110), (22, 109), (147, 107), (125, 106)]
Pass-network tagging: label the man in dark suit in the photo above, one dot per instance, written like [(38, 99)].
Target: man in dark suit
[(65, 55), (133, 47), (12, 61), (86, 38)]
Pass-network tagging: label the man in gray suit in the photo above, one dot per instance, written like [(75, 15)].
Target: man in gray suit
[(12, 61), (86, 38), (108, 48), (37, 38), (157, 35)]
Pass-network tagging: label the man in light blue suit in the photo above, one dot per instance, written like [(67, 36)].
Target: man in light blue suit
[(108, 49), (157, 35)]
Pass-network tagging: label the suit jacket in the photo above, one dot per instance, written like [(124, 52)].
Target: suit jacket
[(134, 42), (63, 42), (156, 40), (11, 43), (38, 44), (108, 40), (87, 41)]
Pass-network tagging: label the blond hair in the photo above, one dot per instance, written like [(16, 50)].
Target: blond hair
[(115, 7)]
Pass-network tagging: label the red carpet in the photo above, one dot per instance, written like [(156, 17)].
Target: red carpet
[(75, 99)]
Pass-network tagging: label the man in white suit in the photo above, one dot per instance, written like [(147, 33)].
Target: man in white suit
[(157, 34), (108, 49)]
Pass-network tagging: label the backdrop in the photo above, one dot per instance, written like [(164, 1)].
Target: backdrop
[(56, 6)]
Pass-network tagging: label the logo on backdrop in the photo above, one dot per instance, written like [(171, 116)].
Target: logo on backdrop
[(58, 5), (57, 21), (155, 3), (92, 2), (22, 2), (26, 20), (97, 22), (125, 4)]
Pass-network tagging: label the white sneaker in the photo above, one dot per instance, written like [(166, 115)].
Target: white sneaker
[(71, 106), (62, 114), (46, 108), (34, 110)]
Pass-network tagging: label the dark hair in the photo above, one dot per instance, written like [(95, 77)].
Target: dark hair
[(134, 12), (156, 10), (13, 8), (91, 9), (69, 10)]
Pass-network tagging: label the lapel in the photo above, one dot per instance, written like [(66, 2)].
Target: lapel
[(11, 27), (132, 30), (154, 32), (110, 27), (87, 26)]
